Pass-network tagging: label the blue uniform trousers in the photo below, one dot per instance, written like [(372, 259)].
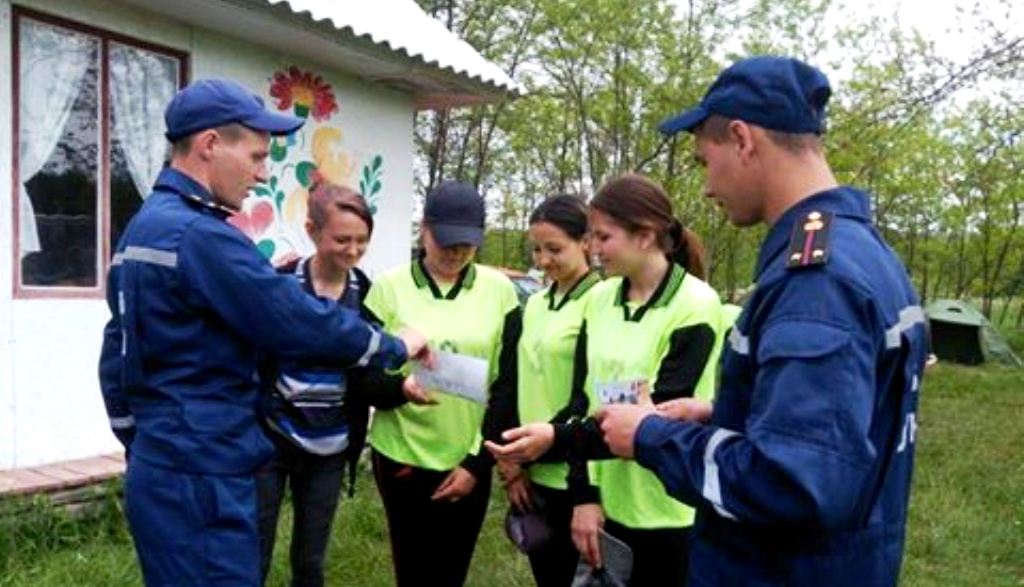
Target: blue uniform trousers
[(192, 529)]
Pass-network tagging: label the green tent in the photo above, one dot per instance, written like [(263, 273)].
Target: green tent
[(962, 334)]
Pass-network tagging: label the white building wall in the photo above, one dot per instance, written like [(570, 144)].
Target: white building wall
[(7, 406), (50, 404), (371, 121)]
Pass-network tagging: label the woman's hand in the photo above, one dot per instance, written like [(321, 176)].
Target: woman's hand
[(517, 486), (587, 521), (458, 484), (415, 393), (524, 444)]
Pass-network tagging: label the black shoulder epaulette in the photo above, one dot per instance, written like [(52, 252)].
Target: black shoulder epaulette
[(809, 243)]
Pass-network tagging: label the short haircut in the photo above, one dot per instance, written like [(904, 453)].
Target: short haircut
[(325, 196), (231, 133), (716, 128)]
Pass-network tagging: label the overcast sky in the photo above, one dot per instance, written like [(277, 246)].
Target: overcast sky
[(937, 20), (942, 22)]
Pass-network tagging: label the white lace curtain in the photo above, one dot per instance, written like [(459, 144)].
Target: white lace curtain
[(52, 64), (141, 86)]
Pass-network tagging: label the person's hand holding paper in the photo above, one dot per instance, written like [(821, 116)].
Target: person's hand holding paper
[(460, 375)]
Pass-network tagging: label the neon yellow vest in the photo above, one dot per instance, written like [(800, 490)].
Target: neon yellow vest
[(624, 350), (547, 347), (438, 437)]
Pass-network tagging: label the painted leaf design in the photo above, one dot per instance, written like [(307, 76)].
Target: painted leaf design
[(377, 161), (278, 151), (266, 248), (304, 173)]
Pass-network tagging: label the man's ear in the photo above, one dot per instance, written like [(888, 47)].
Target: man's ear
[(204, 143), (741, 135)]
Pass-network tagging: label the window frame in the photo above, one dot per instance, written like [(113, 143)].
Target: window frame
[(104, 246)]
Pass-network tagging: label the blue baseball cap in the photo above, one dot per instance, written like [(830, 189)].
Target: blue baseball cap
[(777, 93), (210, 103), (455, 213)]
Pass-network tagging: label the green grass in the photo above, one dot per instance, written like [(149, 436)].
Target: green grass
[(967, 509), (966, 521)]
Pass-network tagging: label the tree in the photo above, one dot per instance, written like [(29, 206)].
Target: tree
[(600, 74)]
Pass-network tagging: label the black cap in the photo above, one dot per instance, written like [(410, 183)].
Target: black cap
[(454, 211)]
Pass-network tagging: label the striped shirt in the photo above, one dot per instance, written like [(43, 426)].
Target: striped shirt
[(306, 404)]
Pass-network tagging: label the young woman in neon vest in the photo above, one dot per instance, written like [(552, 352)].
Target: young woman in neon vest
[(551, 325), (431, 471), (650, 334), (316, 415)]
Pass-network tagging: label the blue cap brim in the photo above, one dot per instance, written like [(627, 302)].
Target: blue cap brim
[(448, 235), (275, 124), (686, 121)]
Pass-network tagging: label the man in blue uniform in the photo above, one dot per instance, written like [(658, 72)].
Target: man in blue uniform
[(802, 474), (193, 303)]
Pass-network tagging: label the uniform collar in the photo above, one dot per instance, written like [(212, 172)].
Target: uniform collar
[(841, 201), (662, 295), (304, 273), (179, 182), (582, 285), (421, 277)]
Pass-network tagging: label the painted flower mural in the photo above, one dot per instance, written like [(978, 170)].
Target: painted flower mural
[(370, 182), (304, 92), (274, 217), (253, 220)]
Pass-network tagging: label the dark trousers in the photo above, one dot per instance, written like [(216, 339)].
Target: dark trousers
[(431, 542), (555, 564), (315, 482), (660, 556), (192, 530)]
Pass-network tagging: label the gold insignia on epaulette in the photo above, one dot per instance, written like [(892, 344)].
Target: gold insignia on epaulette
[(809, 242)]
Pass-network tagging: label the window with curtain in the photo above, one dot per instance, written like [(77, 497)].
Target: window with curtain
[(90, 144)]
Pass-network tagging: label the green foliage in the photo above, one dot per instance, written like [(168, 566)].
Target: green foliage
[(599, 74), (505, 248)]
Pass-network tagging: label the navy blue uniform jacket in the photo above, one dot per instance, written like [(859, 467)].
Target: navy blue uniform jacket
[(193, 304), (803, 476)]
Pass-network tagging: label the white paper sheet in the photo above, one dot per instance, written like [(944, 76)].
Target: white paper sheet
[(459, 375)]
